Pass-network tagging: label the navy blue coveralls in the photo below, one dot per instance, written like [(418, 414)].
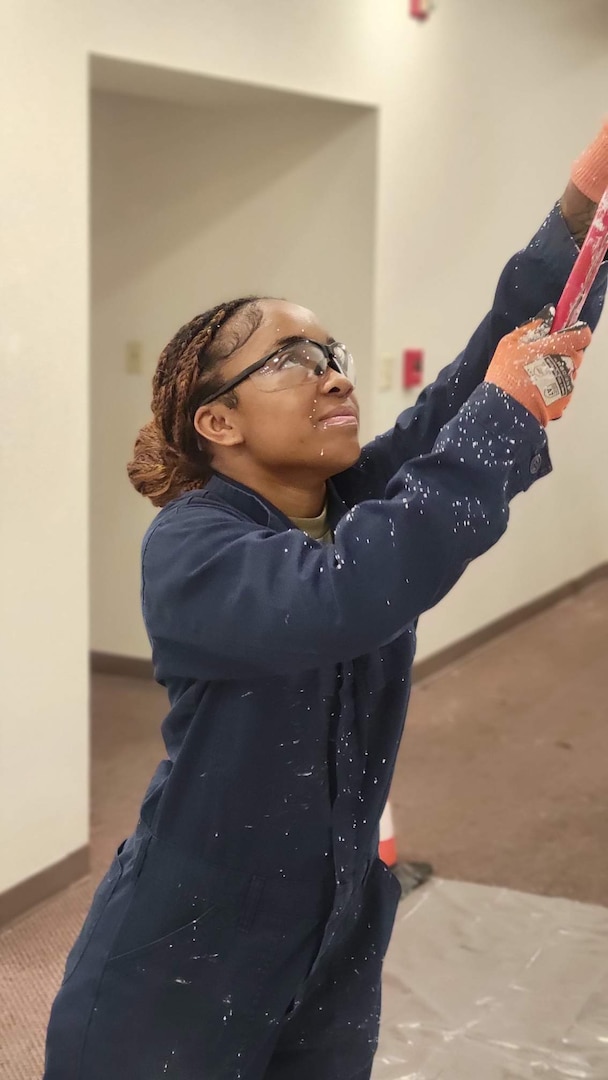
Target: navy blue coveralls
[(240, 931)]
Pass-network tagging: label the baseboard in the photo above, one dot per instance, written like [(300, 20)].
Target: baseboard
[(27, 894), (431, 666), (109, 664)]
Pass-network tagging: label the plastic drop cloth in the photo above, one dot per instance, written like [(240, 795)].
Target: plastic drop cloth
[(491, 984)]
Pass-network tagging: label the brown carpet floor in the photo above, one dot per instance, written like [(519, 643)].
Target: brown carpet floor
[(503, 770), (501, 780)]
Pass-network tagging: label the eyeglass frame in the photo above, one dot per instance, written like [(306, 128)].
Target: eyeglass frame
[(259, 364)]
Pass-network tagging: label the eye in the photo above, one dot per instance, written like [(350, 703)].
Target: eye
[(285, 360), (302, 354), (282, 362)]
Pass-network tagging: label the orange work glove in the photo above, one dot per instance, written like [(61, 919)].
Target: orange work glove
[(538, 368), (590, 171)]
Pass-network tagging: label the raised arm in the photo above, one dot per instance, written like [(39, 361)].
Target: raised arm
[(530, 280)]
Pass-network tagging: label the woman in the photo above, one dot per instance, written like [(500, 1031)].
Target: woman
[(240, 931)]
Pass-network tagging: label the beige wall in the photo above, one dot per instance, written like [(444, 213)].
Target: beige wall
[(481, 111), (191, 206), (508, 98), (43, 439)]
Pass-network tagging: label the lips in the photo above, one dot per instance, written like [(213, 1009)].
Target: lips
[(343, 417)]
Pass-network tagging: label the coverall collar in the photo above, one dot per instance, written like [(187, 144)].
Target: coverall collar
[(260, 510)]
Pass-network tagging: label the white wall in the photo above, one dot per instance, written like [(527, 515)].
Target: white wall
[(191, 207), (481, 109), (506, 99), (43, 439)]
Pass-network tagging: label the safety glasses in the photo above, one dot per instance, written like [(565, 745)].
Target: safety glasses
[(297, 361)]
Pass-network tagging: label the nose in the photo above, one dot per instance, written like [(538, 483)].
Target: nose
[(334, 382)]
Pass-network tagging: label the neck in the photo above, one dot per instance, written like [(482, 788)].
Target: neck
[(294, 496)]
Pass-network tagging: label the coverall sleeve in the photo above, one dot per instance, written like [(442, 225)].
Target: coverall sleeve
[(530, 280), (225, 598)]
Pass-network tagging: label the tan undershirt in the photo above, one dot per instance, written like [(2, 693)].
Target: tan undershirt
[(317, 528)]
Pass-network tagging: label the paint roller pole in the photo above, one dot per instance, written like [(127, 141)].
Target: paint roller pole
[(584, 271)]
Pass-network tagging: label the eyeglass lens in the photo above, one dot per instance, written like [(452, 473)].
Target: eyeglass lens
[(299, 362)]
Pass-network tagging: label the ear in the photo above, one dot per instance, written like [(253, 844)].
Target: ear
[(218, 424)]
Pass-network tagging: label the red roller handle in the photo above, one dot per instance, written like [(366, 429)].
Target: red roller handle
[(584, 271)]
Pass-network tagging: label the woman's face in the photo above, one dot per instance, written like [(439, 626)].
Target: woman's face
[(312, 426)]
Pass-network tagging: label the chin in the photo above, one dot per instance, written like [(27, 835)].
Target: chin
[(339, 462)]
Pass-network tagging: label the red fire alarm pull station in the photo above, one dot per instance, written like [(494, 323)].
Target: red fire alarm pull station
[(420, 9), (413, 366)]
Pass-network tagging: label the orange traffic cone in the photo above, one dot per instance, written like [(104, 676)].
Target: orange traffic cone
[(388, 845), (411, 874)]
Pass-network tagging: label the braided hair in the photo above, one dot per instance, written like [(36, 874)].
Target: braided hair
[(170, 457)]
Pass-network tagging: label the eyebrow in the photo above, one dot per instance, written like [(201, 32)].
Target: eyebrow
[(292, 339)]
